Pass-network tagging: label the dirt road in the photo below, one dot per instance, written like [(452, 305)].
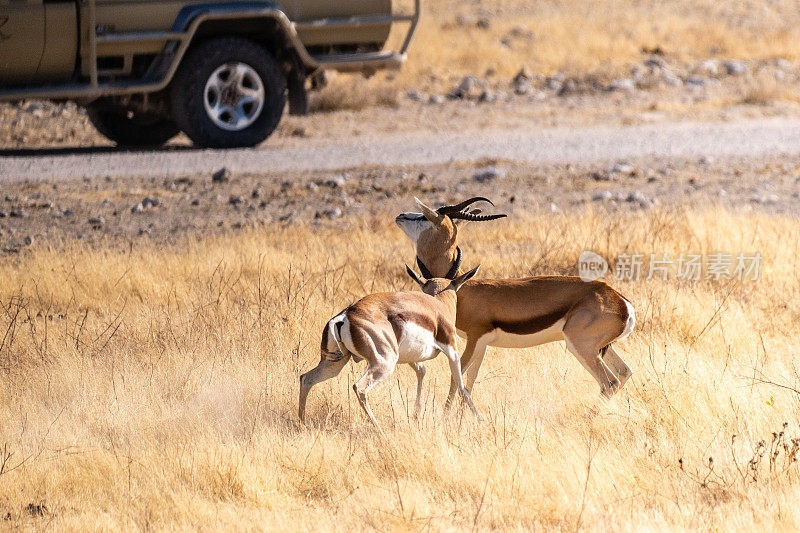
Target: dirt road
[(753, 138)]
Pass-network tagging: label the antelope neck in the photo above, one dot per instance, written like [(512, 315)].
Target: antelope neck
[(452, 273)]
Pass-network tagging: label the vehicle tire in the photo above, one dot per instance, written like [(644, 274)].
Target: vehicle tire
[(129, 129), (228, 93)]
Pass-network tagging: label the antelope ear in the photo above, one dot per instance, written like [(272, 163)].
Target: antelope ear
[(463, 278), (435, 218), (414, 276)]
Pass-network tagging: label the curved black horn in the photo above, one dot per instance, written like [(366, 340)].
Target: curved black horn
[(450, 209), (476, 218)]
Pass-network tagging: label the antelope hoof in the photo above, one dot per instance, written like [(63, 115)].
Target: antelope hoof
[(611, 390)]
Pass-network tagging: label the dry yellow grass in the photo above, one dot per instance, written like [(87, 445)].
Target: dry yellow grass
[(156, 388), (582, 37)]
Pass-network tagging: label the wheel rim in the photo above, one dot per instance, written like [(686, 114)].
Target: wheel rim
[(234, 96)]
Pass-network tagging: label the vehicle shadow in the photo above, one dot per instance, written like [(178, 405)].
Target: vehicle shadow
[(87, 150)]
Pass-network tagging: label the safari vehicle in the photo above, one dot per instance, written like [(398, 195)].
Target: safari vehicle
[(221, 72)]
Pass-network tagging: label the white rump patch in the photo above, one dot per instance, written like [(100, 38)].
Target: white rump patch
[(347, 338), (630, 323)]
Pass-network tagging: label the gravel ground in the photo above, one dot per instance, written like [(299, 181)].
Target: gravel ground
[(559, 145), (150, 210)]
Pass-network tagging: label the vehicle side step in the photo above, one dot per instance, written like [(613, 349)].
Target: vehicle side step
[(362, 61)]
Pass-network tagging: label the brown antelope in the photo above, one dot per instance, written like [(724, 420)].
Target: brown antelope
[(389, 328), (522, 312)]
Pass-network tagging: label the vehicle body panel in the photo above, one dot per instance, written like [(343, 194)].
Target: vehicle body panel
[(61, 42), (21, 40)]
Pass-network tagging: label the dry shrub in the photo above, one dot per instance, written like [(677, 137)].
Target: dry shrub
[(156, 388), (351, 92), (766, 90)]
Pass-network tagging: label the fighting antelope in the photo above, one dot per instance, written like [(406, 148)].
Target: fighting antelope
[(522, 312), (390, 328)]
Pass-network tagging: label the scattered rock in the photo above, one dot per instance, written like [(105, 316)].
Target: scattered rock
[(640, 198), (329, 213), (415, 96), (137, 208), (622, 168), (522, 82), (97, 222), (625, 85), (3, 214), (709, 67), (336, 181), (19, 213), (604, 175), (696, 81), (483, 23), (603, 196), (195, 202), (567, 88), (670, 79), (435, 99), (299, 132), (782, 64), (765, 198), (235, 200), (258, 192), (149, 202), (552, 83), (487, 97), (489, 174), (735, 67), (222, 175), (706, 160), (28, 240), (464, 88), (655, 61)]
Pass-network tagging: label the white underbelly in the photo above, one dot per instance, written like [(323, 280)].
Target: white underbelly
[(503, 339), (416, 344)]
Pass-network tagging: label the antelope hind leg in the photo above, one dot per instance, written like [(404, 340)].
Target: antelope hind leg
[(326, 369), (617, 365), (591, 361), (376, 373)]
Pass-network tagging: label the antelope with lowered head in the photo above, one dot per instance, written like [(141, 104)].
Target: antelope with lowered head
[(388, 328), (522, 312)]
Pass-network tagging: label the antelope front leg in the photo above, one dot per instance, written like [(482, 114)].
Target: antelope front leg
[(469, 349), (471, 361), (419, 368), (455, 370)]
